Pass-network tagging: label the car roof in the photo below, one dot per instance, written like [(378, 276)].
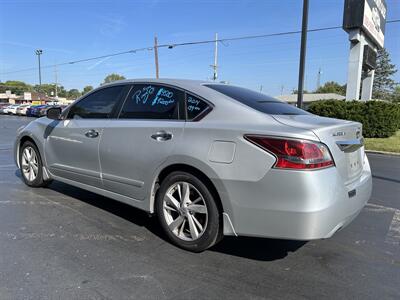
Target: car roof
[(188, 84), (195, 86)]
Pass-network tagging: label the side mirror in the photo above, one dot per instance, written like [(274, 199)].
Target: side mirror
[(54, 113)]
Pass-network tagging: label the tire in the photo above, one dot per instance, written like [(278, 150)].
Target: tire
[(35, 180), (192, 224)]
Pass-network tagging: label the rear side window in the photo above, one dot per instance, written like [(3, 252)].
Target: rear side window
[(98, 105), (195, 107), (256, 100), (149, 101)]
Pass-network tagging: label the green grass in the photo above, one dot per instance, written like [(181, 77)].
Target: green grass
[(390, 144)]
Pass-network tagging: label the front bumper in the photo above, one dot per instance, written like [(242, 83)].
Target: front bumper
[(298, 205)]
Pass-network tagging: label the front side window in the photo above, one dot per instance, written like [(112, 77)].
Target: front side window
[(195, 107), (98, 105), (149, 101)]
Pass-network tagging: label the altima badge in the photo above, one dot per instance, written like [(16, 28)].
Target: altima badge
[(339, 133)]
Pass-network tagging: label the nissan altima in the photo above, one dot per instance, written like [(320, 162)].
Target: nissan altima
[(208, 159)]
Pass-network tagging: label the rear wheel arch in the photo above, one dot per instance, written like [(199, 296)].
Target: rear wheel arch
[(191, 170)]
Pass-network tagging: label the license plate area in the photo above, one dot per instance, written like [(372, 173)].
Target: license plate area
[(354, 163)]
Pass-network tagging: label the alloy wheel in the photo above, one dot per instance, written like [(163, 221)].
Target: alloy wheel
[(29, 164), (185, 211)]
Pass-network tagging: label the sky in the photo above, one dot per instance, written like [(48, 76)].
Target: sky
[(68, 30)]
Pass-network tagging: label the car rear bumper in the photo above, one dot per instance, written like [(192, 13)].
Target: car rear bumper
[(298, 205)]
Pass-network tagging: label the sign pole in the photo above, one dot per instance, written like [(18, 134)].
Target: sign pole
[(355, 65), (364, 21), (367, 84)]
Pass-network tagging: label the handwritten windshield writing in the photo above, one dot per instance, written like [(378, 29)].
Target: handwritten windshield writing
[(193, 104), (143, 94), (163, 96)]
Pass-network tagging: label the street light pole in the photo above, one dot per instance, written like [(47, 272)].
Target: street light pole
[(302, 54), (38, 53), (156, 56)]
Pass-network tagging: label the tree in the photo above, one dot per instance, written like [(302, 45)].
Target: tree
[(15, 86), (87, 89), (113, 77), (332, 87), (383, 83), (396, 94), (62, 92), (73, 94), (295, 92), (45, 88)]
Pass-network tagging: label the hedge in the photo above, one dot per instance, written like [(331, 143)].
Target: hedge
[(380, 119)]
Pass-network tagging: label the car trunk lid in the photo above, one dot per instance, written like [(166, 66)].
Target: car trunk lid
[(343, 138)]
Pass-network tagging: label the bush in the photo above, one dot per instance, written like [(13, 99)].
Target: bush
[(380, 119)]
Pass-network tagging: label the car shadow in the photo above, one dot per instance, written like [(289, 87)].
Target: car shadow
[(262, 249), (122, 210)]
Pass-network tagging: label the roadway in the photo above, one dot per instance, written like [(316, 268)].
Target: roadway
[(65, 243)]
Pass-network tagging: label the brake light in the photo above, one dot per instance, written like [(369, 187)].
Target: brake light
[(294, 154)]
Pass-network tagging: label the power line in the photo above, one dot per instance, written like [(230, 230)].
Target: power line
[(173, 45)]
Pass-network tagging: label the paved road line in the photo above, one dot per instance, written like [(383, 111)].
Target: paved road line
[(80, 237), (22, 202), (380, 207), (8, 166), (393, 234)]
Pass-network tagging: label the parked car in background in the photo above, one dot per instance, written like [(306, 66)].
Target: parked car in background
[(3, 106), (43, 110), (5, 109), (12, 110), (34, 110), (207, 159), (21, 110), (28, 111)]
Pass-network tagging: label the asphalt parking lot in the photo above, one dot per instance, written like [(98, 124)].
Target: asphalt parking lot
[(65, 243)]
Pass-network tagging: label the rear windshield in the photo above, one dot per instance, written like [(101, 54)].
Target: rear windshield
[(256, 100)]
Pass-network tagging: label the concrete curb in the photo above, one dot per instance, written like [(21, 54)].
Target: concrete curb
[(383, 152)]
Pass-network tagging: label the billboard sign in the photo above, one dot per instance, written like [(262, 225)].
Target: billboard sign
[(27, 96), (369, 16)]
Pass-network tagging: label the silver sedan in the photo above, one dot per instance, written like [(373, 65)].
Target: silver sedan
[(208, 159)]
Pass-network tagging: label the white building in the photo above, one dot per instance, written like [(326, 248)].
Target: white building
[(310, 98)]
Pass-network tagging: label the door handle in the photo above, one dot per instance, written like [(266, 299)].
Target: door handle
[(161, 136), (92, 133)]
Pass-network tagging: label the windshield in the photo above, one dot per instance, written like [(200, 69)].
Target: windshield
[(256, 100)]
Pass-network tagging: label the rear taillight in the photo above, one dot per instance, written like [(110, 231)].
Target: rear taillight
[(294, 154)]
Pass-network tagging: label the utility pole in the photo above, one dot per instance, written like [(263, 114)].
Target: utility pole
[(39, 52), (215, 65), (319, 78), (56, 80), (156, 56), (305, 84), (261, 87), (302, 54)]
